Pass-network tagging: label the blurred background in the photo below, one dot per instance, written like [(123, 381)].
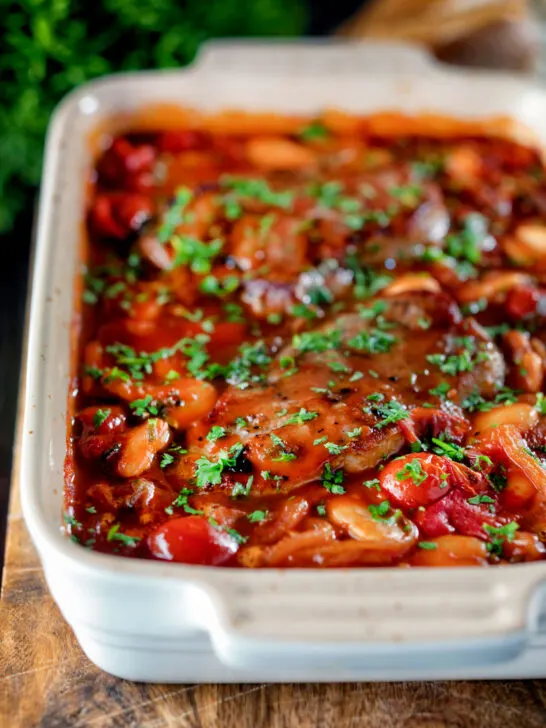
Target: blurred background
[(48, 47)]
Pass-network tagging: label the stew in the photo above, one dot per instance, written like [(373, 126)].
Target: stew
[(322, 348)]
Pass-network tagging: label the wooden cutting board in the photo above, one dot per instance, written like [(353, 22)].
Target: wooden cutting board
[(46, 681)]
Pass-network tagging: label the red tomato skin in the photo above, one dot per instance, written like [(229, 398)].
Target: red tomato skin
[(191, 540), (406, 492)]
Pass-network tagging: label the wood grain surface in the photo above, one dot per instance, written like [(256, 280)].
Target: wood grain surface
[(46, 681)]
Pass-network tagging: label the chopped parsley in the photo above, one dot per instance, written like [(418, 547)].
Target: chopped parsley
[(427, 545), (317, 341), (354, 433), (231, 531), (449, 449), (234, 312), (476, 403), (302, 311), (216, 432), (476, 500), (332, 480), (212, 286), (441, 390), (334, 449), (181, 501), (100, 416), (281, 445), (379, 512), (198, 256), (540, 403), (499, 480), (209, 472), (257, 516), (375, 341), (114, 535), (300, 417), (239, 370), (313, 131), (145, 406), (257, 189), (71, 521), (467, 244), (454, 364), (498, 536), (372, 483), (389, 412), (366, 281), (174, 216), (414, 470), (242, 489)]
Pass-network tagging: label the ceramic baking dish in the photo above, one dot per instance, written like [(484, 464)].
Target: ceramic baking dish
[(171, 622)]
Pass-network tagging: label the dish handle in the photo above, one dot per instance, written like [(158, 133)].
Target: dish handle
[(388, 621), (328, 57)]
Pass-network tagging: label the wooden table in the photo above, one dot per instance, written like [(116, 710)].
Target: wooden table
[(46, 681)]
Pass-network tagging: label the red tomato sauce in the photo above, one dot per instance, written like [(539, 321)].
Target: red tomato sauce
[(312, 349)]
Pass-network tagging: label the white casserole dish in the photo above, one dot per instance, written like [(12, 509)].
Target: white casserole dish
[(151, 621)]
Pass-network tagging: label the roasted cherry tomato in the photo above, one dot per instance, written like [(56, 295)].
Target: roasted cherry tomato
[(191, 540)]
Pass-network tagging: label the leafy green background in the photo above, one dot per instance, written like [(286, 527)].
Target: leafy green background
[(49, 46)]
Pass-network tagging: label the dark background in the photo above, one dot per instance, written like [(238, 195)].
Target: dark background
[(324, 16)]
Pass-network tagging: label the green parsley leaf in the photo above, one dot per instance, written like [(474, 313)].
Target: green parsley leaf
[(100, 416), (500, 534), (231, 531), (313, 131), (467, 244), (242, 489), (414, 470), (216, 432), (334, 449), (181, 501), (332, 480), (144, 406), (257, 516), (373, 483), (427, 545), (389, 412), (193, 253), (477, 499), (316, 341), (540, 403), (174, 216), (300, 417), (209, 472), (449, 449), (441, 390), (257, 189), (220, 287), (114, 535), (374, 341)]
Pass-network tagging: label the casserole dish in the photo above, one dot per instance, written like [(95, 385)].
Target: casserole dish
[(171, 622)]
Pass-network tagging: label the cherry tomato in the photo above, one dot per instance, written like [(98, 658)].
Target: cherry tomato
[(191, 540), (127, 165), (117, 214), (416, 480)]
